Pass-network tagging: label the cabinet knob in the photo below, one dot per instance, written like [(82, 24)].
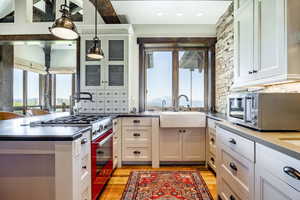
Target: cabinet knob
[(212, 140), (84, 167), (292, 172), (250, 72), (232, 141), (183, 131), (212, 160), (232, 197), (84, 141), (233, 166), (137, 152)]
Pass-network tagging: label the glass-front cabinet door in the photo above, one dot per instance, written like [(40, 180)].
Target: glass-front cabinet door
[(109, 73)]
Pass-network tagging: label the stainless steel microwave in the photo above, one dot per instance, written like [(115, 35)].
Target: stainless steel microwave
[(265, 111)]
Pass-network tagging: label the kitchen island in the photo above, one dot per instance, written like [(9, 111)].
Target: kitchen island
[(44, 162)]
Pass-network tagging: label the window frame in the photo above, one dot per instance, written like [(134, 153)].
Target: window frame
[(176, 45)]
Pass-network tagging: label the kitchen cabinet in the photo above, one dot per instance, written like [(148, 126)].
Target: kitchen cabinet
[(211, 143), (187, 144), (266, 43), (106, 79), (235, 166), (136, 139), (117, 153), (271, 180), (244, 42), (109, 73)]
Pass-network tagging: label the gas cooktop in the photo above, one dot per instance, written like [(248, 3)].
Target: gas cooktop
[(73, 120)]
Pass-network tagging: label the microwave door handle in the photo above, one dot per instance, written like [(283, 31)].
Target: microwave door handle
[(248, 110)]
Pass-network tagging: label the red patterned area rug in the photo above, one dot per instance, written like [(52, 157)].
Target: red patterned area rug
[(166, 185)]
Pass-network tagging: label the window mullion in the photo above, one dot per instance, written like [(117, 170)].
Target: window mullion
[(25, 91), (175, 78)]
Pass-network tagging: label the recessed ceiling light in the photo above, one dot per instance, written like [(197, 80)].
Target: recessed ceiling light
[(179, 14), (199, 14)]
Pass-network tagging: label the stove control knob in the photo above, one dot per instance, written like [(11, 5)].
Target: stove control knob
[(100, 128)]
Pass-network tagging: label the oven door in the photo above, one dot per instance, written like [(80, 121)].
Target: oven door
[(236, 108), (102, 162)]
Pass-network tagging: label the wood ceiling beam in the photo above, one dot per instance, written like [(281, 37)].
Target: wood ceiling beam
[(106, 10)]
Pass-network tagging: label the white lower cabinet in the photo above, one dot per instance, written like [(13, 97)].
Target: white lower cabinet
[(249, 170), (235, 166), (182, 144), (276, 175)]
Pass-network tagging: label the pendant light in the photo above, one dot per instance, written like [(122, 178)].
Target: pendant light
[(95, 51), (64, 27)]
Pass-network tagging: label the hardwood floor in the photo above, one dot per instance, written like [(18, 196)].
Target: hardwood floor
[(117, 183)]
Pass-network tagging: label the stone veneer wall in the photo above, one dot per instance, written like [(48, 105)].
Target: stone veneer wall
[(224, 59)]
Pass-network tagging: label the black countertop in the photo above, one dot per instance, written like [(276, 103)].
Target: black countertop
[(20, 130)]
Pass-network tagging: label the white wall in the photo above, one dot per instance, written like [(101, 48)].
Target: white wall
[(63, 58), (174, 30), (32, 53)]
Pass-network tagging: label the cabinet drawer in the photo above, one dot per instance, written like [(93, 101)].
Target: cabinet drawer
[(212, 144), (137, 121), (85, 195), (117, 125), (227, 193), (137, 135), (137, 154), (236, 143), (277, 163), (212, 161)]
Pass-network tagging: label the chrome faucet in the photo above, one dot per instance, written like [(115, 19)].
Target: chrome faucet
[(176, 105), (75, 100), (163, 104)]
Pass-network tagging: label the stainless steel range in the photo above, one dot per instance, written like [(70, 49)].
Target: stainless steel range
[(98, 123)]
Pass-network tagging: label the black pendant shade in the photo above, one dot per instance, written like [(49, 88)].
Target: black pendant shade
[(64, 27), (95, 52)]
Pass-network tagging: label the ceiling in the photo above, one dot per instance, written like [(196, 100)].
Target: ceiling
[(170, 12)]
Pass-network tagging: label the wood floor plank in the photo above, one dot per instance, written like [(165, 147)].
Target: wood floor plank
[(117, 183)]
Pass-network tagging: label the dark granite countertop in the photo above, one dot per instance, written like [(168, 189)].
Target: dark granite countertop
[(20, 130)]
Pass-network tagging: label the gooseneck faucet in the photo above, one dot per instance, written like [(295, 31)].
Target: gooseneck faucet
[(74, 107), (176, 105)]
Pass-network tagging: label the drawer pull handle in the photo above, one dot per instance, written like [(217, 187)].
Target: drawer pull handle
[(137, 152), (292, 172), (233, 166), (232, 197), (84, 141), (136, 121), (84, 167), (232, 141), (100, 152), (136, 135)]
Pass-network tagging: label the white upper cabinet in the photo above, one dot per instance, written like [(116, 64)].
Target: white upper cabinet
[(267, 51), (244, 40)]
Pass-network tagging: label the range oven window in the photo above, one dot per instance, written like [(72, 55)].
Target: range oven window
[(237, 108)]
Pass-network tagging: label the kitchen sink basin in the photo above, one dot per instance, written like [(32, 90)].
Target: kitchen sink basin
[(294, 141), (182, 119)]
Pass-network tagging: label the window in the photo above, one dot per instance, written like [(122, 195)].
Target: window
[(174, 75), (159, 80), (7, 11), (18, 88), (32, 89), (43, 11), (63, 89), (191, 78)]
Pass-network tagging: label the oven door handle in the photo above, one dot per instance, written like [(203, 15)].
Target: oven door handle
[(105, 140)]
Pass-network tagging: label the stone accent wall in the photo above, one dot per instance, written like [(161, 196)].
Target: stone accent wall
[(224, 59)]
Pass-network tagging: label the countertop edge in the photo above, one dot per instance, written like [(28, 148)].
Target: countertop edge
[(253, 138)]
